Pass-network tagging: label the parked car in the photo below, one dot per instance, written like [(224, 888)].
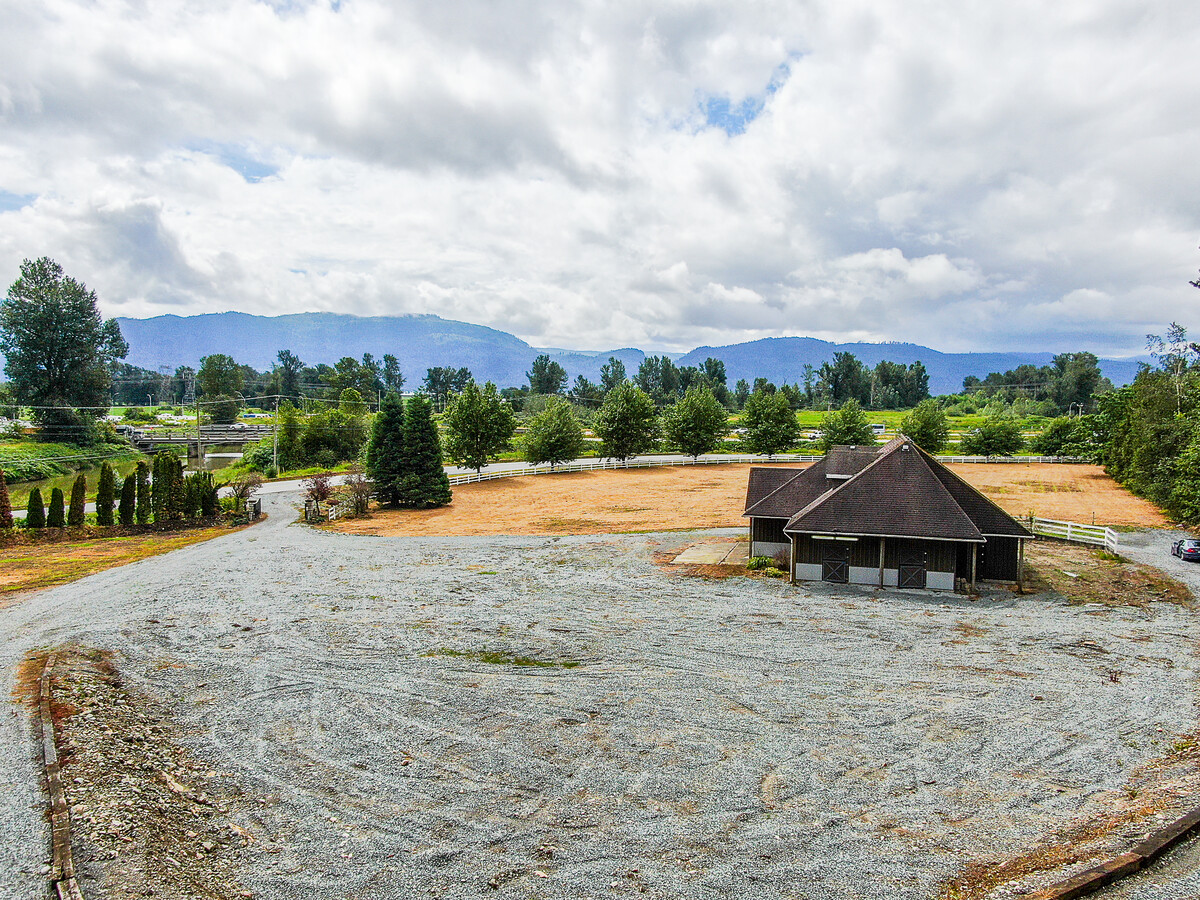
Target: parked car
[(1188, 548)]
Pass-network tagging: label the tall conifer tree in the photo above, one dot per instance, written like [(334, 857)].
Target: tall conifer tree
[(424, 484), (127, 511), (142, 477), (105, 491), (56, 517), (75, 513), (385, 450), (35, 511)]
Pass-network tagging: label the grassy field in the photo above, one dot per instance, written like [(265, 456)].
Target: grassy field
[(27, 566)]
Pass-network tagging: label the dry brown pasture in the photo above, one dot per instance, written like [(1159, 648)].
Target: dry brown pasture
[(683, 497)]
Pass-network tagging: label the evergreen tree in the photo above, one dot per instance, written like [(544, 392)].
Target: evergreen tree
[(612, 373), (35, 512), (696, 422), (846, 426), (385, 450), (127, 509), (627, 423), (554, 435), (479, 425), (128, 506), (75, 513), (6, 516), (104, 495), (546, 376), (425, 484), (56, 517), (769, 424), (143, 493), (160, 485), (927, 426)]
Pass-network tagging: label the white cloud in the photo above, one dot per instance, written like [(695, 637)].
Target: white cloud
[(1001, 177)]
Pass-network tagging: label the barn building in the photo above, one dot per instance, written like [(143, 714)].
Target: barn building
[(890, 515)]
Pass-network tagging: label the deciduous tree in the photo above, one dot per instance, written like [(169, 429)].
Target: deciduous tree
[(696, 422), (219, 375), (627, 423), (927, 426), (554, 435), (58, 350), (479, 426), (997, 436), (846, 425), (770, 424)]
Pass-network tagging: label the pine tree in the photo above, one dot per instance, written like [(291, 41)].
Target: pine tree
[(75, 513), (128, 508), (35, 514), (479, 425), (6, 516), (385, 450), (57, 515), (143, 493), (104, 495), (554, 435), (425, 484)]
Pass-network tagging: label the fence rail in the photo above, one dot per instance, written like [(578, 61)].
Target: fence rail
[(1077, 532)]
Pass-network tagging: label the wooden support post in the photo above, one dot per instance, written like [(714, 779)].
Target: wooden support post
[(1021, 564), (974, 563), (792, 560), (882, 541)]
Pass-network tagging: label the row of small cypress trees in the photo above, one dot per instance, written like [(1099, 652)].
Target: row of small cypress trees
[(166, 497)]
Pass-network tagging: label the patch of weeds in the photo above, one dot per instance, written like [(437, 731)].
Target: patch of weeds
[(487, 573), (501, 658)]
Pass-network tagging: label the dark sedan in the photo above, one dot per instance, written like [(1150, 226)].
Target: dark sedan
[(1189, 548)]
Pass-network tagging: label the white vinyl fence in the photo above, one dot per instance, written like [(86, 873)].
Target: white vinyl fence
[(1097, 535)]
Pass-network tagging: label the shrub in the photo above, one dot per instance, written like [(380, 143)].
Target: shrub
[(76, 513), (6, 516), (57, 516), (35, 513), (127, 510), (759, 562), (105, 491)]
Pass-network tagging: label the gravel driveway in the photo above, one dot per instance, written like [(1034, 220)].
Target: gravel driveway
[(742, 737)]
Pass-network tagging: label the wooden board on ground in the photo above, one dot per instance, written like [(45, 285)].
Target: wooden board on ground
[(683, 497)]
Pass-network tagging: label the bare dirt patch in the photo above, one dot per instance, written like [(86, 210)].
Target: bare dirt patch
[(1088, 575), (147, 819), (1076, 493), (685, 497)]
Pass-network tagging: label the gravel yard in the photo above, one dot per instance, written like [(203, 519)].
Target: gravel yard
[(679, 737)]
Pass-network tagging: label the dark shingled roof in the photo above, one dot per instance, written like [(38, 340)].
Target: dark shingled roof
[(847, 461), (771, 495), (897, 490)]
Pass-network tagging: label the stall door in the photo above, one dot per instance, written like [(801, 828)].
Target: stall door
[(835, 564), (912, 569)]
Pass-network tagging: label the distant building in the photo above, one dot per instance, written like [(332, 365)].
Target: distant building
[(891, 516)]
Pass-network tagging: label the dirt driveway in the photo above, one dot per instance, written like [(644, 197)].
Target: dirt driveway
[(680, 497)]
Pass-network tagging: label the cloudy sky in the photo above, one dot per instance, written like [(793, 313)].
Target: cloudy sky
[(1021, 175)]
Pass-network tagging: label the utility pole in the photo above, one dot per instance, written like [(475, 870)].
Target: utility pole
[(199, 440), (275, 439)]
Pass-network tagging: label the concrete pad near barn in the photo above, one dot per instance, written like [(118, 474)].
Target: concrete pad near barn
[(723, 553)]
